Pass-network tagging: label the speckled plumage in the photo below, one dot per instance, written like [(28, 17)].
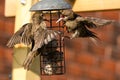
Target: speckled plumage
[(34, 33), (79, 26)]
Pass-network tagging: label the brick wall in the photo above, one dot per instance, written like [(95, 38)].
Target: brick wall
[(87, 61), (6, 30)]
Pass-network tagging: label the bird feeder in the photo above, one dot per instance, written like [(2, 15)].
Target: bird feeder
[(53, 62)]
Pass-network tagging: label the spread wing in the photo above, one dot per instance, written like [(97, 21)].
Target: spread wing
[(21, 36), (92, 22), (84, 32), (43, 37), (99, 22), (85, 22)]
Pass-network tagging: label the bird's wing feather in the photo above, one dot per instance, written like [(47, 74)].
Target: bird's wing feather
[(26, 35), (92, 22), (85, 22), (98, 21), (44, 37), (84, 32), (38, 39), (17, 37)]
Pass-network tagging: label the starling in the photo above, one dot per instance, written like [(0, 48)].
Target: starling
[(79, 26), (35, 34)]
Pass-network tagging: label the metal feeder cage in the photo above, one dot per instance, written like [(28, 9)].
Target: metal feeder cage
[(53, 61)]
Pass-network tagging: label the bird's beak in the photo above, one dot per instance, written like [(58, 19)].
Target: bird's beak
[(46, 20), (59, 20)]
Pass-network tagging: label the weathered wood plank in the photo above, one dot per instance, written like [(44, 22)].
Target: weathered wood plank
[(10, 8)]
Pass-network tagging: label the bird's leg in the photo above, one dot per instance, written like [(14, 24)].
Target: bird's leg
[(74, 35), (65, 37), (29, 59)]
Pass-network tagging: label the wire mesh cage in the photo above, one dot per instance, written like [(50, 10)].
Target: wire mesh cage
[(52, 62)]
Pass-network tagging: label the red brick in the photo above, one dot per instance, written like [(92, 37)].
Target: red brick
[(98, 50), (8, 55), (74, 78), (118, 68), (86, 58), (84, 14), (54, 77), (4, 77), (2, 2), (106, 34), (74, 69), (108, 65), (95, 74), (77, 45), (1, 52), (11, 23), (2, 25), (1, 67), (71, 44), (118, 41), (114, 15), (69, 55), (5, 61), (61, 77)]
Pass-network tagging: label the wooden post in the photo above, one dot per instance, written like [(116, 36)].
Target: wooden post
[(20, 52), (10, 8)]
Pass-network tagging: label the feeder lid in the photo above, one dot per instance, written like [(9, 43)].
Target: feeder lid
[(46, 5)]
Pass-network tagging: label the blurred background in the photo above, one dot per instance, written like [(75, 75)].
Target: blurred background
[(84, 59), (6, 30)]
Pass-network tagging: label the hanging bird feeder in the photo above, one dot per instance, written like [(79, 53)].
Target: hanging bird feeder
[(52, 62)]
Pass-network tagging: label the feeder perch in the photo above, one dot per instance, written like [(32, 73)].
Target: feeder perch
[(53, 61)]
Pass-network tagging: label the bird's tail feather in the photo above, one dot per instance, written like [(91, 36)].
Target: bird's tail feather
[(91, 35), (87, 33), (96, 41), (28, 60)]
